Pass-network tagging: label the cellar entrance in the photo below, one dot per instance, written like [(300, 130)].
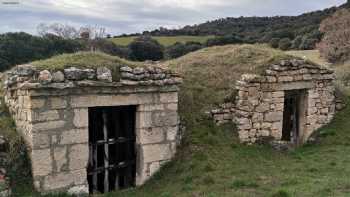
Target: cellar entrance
[(112, 153), (292, 113)]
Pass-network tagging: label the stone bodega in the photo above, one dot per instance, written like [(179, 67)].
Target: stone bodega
[(87, 132)]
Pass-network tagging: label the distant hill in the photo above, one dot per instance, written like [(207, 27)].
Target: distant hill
[(258, 29)]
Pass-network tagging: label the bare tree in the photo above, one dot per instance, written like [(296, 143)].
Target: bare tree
[(62, 30), (94, 32)]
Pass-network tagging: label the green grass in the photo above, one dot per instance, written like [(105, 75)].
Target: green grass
[(211, 161), (85, 60), (163, 40)]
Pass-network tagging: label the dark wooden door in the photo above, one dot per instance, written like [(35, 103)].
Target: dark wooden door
[(112, 158), (290, 131)]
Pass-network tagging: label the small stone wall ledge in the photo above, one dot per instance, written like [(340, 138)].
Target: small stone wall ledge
[(29, 77)]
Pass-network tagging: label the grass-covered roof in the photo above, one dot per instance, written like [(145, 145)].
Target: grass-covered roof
[(85, 60), (82, 60), (210, 74)]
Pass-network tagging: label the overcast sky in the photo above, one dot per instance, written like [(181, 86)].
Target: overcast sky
[(129, 16)]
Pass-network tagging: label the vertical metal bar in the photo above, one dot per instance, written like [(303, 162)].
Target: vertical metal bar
[(106, 151), (94, 176), (128, 133), (116, 130)]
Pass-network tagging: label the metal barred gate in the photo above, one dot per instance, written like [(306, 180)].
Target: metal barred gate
[(112, 153)]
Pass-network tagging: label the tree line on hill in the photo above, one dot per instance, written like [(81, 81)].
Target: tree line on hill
[(284, 32)]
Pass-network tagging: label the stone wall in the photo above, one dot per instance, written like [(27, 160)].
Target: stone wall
[(52, 115), (259, 105)]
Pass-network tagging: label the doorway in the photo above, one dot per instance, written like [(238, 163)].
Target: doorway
[(292, 116), (112, 153)]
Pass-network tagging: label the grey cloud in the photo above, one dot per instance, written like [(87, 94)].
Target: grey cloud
[(124, 16)]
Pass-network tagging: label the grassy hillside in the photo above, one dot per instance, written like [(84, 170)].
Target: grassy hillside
[(210, 74), (164, 40), (211, 162)]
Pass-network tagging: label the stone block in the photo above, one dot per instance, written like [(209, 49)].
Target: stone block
[(264, 133), (112, 100), (263, 107), (172, 106), (50, 125), (151, 135), (143, 119), (74, 136), (156, 152), (278, 94), (150, 107), (285, 78), (58, 103), (64, 179), (41, 162), (40, 140), (81, 118), (266, 125), (43, 116), (78, 156), (34, 103), (168, 118), (273, 116), (169, 97), (60, 158), (81, 190), (153, 168)]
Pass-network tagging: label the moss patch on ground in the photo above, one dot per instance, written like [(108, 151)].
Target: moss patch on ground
[(85, 60)]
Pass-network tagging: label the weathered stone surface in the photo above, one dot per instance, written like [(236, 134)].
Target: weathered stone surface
[(24, 70), (78, 156), (64, 179), (104, 74), (60, 158), (75, 136), (58, 103), (160, 119), (151, 135), (273, 116), (43, 116), (50, 125), (156, 152), (81, 118), (81, 190), (45, 77), (41, 162), (58, 77), (40, 140), (169, 97), (46, 126)]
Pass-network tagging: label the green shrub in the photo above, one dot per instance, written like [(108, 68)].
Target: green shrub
[(145, 48), (284, 44)]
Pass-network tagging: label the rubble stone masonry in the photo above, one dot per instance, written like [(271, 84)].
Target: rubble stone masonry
[(259, 104)]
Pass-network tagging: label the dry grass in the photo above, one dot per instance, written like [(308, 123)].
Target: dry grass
[(312, 55)]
